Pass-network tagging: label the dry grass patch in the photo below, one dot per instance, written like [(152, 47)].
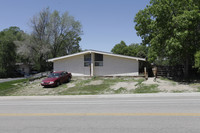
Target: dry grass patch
[(103, 85)]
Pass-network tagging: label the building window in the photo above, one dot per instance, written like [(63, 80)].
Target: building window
[(98, 60), (87, 60)]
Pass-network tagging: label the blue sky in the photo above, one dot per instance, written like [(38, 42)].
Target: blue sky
[(105, 22)]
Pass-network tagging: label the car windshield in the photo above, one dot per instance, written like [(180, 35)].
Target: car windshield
[(54, 75)]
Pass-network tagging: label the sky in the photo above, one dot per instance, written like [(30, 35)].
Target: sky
[(105, 23)]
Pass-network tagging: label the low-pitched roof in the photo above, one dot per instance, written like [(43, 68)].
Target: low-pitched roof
[(95, 51)]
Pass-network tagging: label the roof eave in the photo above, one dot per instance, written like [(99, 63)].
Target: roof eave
[(90, 51)]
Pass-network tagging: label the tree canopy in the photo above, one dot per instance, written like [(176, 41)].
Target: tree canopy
[(53, 34), (133, 49), (171, 29), (8, 50)]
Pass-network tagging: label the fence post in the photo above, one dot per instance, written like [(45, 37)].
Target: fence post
[(145, 73)]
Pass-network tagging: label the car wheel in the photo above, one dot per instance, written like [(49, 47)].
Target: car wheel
[(69, 79), (58, 83)]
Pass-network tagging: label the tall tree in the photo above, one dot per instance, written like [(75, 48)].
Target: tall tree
[(197, 60), (171, 29), (53, 35), (120, 48), (64, 32), (8, 50), (133, 49)]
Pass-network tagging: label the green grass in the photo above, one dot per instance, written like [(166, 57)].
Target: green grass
[(142, 88), (153, 88), (83, 82), (166, 79), (121, 90), (177, 91), (173, 83), (113, 80), (82, 89), (195, 85), (8, 87), (198, 89), (139, 80), (163, 78), (85, 90)]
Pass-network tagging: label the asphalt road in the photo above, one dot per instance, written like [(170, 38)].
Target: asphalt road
[(168, 114)]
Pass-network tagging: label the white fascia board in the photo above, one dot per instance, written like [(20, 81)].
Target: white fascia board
[(67, 56), (98, 52), (122, 56)]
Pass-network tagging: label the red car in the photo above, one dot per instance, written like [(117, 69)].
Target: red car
[(56, 78)]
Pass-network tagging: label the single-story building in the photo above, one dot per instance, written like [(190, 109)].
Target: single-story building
[(23, 68), (97, 63)]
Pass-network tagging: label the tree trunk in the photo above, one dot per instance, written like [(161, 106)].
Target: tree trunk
[(186, 68)]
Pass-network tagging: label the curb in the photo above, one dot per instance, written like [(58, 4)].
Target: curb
[(103, 96)]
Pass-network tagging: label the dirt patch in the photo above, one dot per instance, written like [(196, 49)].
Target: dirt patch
[(177, 88), (95, 82), (127, 85), (170, 86), (69, 85)]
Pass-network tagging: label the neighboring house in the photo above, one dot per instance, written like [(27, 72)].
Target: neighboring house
[(97, 63), (23, 68)]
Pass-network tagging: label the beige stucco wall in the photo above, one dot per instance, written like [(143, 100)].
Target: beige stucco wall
[(116, 66), (75, 65), (112, 66)]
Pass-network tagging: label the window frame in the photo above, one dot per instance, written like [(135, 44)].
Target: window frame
[(86, 61), (98, 61)]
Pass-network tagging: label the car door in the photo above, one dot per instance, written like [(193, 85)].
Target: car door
[(62, 77), (65, 76)]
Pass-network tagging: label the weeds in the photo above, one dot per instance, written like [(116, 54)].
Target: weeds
[(80, 86), (153, 88), (177, 91), (8, 87), (121, 90), (198, 89), (85, 90), (142, 88)]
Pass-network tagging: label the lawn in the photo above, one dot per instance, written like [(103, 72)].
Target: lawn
[(96, 86), (7, 88)]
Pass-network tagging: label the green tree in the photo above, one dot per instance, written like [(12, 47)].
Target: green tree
[(197, 61), (8, 50), (64, 32), (53, 34), (137, 50), (120, 48), (171, 29), (134, 49)]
